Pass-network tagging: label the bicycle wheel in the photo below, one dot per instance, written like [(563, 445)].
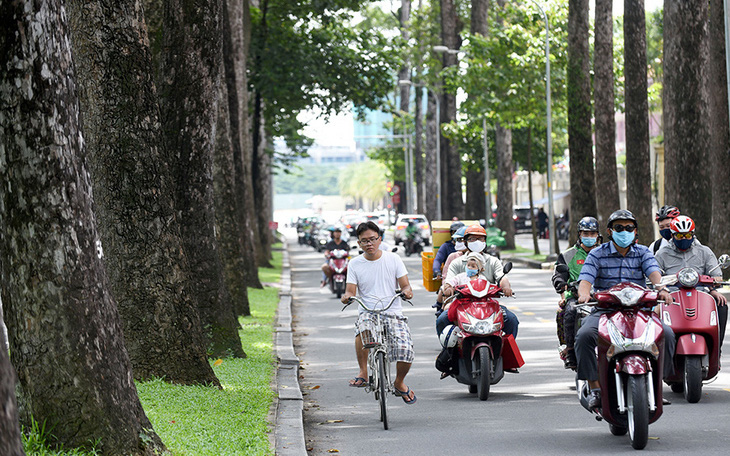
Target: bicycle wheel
[(380, 362)]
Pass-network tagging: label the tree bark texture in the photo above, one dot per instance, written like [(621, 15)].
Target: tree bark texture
[(404, 74), (479, 16), (476, 205), (191, 64), (418, 152), (719, 239), (228, 184), (452, 202), (607, 199), (235, 55), (638, 172), (10, 442), (65, 333), (503, 146), (228, 211), (580, 142), (261, 173), (135, 205), (686, 124), (430, 177)]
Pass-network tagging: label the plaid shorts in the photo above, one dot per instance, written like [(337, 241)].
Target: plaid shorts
[(400, 344)]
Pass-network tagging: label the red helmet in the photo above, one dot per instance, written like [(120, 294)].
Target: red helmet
[(475, 229), (682, 224), (667, 212)]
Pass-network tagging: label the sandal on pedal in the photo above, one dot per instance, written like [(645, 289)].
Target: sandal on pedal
[(405, 395), (358, 382)]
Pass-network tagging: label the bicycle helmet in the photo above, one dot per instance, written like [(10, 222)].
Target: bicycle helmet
[(682, 224), (449, 336), (455, 226), (459, 234), (588, 224), (667, 212), (475, 229), (621, 214)]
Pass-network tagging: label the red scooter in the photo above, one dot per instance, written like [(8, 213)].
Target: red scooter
[(338, 260), (630, 355), (693, 318), (484, 351)]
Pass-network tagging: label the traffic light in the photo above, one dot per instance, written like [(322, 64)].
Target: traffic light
[(389, 188)]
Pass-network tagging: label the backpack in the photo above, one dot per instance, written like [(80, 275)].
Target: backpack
[(657, 245)]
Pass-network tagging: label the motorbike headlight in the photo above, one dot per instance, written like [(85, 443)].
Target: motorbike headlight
[(482, 327), (628, 296), (688, 277)]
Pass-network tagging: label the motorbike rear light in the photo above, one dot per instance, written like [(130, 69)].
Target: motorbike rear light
[(688, 277)]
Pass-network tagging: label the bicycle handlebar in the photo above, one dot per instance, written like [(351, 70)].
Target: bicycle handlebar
[(398, 294)]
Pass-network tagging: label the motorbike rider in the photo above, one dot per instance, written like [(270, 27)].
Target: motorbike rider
[(335, 243), (611, 263), (664, 219), (459, 249), (588, 238), (446, 249), (411, 232), (686, 251), (475, 238)]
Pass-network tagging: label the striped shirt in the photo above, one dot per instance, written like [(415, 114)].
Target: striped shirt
[(605, 266)]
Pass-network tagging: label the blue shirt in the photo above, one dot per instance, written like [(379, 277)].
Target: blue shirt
[(445, 250), (605, 266)]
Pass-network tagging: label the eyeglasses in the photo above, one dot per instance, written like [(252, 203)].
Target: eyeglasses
[(368, 241), (680, 236), (620, 228)]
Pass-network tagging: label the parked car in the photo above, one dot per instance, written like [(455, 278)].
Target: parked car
[(350, 221), (523, 221), (402, 222)]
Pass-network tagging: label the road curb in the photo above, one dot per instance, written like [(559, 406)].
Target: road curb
[(289, 427)]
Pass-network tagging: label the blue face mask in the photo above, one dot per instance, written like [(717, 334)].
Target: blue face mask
[(683, 244), (471, 272), (666, 233), (588, 241), (623, 239)]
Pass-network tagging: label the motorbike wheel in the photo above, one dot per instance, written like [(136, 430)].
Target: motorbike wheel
[(638, 410), (381, 390), (692, 379), (617, 430), (485, 371), (339, 290)]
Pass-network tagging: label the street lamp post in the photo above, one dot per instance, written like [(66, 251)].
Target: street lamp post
[(403, 82)]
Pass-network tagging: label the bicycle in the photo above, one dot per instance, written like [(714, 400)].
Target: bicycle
[(376, 341)]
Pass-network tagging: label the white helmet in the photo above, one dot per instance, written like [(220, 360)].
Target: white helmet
[(449, 336)]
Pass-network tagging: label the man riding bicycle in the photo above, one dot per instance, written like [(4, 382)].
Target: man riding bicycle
[(375, 276)]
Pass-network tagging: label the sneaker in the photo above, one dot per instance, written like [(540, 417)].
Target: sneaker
[(594, 400), (570, 360)]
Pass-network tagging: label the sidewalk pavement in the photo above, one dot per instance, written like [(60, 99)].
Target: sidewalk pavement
[(525, 241), (289, 427)]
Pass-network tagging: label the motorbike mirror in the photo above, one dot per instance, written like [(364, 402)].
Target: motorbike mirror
[(507, 267), (562, 268), (394, 249), (724, 261)]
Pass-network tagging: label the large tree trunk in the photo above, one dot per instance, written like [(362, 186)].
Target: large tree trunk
[(535, 246), (65, 333), (476, 205), (686, 124), (503, 146), (191, 73), (135, 207), (638, 173), (453, 203), (418, 153), (719, 238), (10, 442), (607, 199), (479, 17), (235, 60), (430, 176), (580, 142), (236, 253), (261, 173), (228, 210)]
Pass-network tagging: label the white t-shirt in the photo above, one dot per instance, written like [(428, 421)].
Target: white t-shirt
[(377, 280)]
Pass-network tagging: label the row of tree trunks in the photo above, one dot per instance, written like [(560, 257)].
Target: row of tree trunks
[(719, 238), (431, 178), (261, 175), (580, 141), (503, 147), (52, 259), (607, 199), (686, 125), (190, 75), (638, 172), (452, 204), (135, 209)]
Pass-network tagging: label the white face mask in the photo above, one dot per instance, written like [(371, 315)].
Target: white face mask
[(459, 246), (477, 246)]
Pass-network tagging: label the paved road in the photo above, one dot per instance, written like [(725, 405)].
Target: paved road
[(533, 412)]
